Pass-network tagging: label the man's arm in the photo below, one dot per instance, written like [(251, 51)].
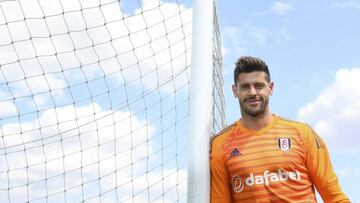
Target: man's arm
[(321, 171), (220, 186)]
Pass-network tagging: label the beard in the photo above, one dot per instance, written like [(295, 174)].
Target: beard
[(257, 110)]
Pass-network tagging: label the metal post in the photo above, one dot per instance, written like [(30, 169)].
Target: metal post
[(200, 102)]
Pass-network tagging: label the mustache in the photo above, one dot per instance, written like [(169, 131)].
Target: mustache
[(254, 99)]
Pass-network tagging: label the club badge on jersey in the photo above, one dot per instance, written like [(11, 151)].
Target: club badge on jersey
[(284, 144)]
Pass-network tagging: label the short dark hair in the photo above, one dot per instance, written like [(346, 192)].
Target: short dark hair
[(248, 64)]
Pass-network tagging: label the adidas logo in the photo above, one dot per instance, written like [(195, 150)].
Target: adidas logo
[(235, 152)]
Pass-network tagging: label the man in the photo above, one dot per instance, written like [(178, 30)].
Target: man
[(264, 157)]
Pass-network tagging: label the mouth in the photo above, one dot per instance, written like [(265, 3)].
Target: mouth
[(253, 102)]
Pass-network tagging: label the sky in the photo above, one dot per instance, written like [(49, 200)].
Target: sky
[(94, 94), (312, 51)]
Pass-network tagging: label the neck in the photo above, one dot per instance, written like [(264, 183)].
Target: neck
[(256, 123)]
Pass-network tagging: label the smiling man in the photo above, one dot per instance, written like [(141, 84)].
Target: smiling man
[(263, 157)]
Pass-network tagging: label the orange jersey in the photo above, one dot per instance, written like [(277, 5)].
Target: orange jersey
[(279, 163)]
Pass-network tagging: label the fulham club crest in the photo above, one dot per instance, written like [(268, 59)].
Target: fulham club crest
[(284, 143)]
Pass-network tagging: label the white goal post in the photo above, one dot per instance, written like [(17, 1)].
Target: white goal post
[(206, 97)]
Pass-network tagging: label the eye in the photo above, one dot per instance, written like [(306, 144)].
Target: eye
[(259, 85), (244, 87)]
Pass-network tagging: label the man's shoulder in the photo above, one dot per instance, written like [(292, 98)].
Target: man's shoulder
[(303, 128), (217, 140), (223, 132), (293, 123)]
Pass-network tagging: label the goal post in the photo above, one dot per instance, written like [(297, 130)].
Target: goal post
[(206, 97), (200, 101)]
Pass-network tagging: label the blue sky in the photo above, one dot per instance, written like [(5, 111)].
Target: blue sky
[(312, 51)]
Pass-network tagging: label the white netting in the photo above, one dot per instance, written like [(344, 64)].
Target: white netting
[(94, 100), (218, 111)]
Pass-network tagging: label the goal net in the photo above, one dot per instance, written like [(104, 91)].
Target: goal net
[(94, 100)]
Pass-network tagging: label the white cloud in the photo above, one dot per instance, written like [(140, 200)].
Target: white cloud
[(25, 80), (335, 113), (349, 172), (243, 39), (82, 145), (156, 55), (169, 49), (158, 187), (7, 107), (346, 5), (280, 8)]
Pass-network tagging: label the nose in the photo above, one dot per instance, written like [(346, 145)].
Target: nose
[(252, 90)]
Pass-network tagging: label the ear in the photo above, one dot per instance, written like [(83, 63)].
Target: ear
[(271, 87), (234, 90)]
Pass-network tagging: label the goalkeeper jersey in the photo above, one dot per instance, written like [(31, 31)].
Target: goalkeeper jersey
[(279, 163)]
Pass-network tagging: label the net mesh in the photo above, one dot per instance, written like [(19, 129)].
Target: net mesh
[(218, 111), (94, 100)]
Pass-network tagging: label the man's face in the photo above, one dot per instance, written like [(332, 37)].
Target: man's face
[(253, 92)]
